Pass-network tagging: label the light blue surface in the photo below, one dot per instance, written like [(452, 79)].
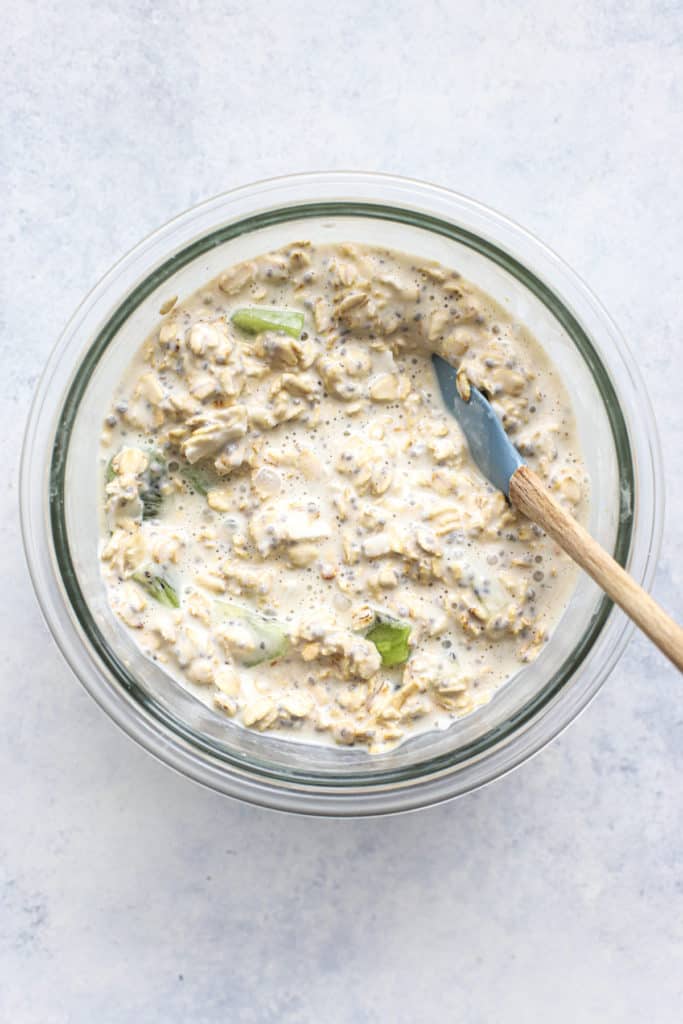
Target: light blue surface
[(128, 894)]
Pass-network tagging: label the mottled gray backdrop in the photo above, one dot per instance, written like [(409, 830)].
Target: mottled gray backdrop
[(130, 894)]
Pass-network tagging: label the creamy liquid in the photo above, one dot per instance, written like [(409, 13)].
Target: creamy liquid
[(318, 483)]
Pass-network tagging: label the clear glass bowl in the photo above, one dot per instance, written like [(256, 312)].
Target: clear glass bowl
[(59, 490)]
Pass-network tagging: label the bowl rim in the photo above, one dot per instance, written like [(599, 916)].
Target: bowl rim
[(383, 792)]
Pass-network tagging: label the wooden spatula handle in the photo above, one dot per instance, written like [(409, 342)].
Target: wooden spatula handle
[(530, 496)]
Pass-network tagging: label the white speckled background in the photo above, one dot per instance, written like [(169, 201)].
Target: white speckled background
[(130, 894)]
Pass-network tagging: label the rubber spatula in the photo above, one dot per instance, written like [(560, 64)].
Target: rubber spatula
[(501, 464)]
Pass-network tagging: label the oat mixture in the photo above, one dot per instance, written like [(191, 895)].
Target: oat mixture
[(293, 527)]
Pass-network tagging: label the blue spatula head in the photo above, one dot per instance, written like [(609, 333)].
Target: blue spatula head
[(489, 445)]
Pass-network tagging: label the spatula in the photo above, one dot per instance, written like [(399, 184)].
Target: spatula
[(504, 467)]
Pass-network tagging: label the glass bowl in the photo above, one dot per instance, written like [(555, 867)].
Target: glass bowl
[(60, 489)]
